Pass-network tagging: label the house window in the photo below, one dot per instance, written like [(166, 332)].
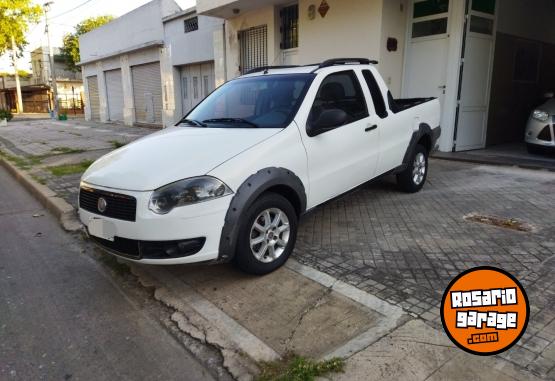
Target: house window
[(191, 24), (429, 18), (484, 6), (290, 27), (253, 50)]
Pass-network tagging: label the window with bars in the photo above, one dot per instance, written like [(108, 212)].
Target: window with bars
[(253, 44), (289, 27), (191, 24)]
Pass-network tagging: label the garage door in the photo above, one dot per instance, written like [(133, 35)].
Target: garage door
[(147, 92), (94, 101), (114, 90)]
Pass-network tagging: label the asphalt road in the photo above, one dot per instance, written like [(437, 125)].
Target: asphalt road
[(63, 317)]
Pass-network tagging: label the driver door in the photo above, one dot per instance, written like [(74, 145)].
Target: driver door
[(346, 155)]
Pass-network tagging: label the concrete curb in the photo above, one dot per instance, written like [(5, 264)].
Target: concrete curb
[(63, 211)]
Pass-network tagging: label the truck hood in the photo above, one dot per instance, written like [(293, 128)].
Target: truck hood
[(170, 155)]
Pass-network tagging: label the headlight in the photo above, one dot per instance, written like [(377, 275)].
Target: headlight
[(540, 115), (186, 192)]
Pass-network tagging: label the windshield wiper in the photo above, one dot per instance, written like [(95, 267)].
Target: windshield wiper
[(192, 121), (231, 120)]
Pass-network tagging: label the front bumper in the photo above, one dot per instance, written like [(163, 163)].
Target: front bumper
[(534, 128), (151, 234)]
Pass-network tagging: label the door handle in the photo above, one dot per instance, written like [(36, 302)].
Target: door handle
[(371, 128)]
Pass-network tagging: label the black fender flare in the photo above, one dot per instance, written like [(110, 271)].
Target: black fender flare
[(423, 130), (246, 194)]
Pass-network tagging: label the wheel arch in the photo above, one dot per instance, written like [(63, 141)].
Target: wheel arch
[(425, 136), (279, 180)]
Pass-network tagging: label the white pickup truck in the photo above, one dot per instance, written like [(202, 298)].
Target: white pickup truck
[(231, 179)]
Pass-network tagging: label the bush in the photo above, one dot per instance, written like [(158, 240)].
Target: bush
[(6, 114)]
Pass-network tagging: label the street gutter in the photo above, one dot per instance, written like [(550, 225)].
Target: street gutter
[(63, 211)]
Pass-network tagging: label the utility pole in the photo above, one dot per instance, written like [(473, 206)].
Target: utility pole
[(17, 83), (51, 60)]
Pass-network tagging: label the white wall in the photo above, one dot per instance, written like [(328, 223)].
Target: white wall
[(136, 28), (351, 28), (394, 25), (532, 19), (192, 47)]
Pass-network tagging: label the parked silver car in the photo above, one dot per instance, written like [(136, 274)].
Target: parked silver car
[(540, 130)]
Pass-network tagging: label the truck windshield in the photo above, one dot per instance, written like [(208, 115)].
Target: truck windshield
[(266, 101)]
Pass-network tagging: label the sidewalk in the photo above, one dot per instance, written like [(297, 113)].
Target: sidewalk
[(383, 259), (56, 153)]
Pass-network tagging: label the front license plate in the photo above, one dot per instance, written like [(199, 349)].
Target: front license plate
[(102, 229)]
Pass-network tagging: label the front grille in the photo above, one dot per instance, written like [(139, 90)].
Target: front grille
[(545, 134), (135, 249), (118, 206)]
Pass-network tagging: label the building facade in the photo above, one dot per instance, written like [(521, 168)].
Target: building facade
[(487, 61), (36, 89), (69, 84), (149, 66)]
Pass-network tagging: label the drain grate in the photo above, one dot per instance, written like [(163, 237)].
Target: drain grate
[(507, 223)]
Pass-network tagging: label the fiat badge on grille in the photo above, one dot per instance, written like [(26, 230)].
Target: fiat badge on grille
[(102, 204)]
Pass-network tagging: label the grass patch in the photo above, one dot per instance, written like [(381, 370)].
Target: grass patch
[(298, 368), (66, 150), (38, 179), (70, 169), (117, 144), (20, 161)]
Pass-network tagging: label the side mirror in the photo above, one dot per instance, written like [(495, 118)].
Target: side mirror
[(328, 120)]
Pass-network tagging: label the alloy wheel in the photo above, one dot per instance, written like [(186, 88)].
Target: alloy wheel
[(419, 168), (269, 235)]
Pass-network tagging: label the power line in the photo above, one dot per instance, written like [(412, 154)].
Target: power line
[(71, 10)]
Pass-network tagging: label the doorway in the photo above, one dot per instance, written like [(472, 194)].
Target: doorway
[(427, 49), (197, 81), (476, 70)]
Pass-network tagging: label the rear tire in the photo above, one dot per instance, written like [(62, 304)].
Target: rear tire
[(413, 178), (265, 240)]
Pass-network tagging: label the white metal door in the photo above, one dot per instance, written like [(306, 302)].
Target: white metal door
[(197, 81), (147, 92), (114, 91), (94, 100), (427, 49), (476, 77)]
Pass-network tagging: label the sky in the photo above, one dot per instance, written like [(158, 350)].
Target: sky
[(65, 14)]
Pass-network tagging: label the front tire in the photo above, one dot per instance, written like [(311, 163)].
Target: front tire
[(413, 178), (267, 235)]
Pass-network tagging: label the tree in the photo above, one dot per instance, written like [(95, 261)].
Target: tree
[(70, 49), (15, 17)]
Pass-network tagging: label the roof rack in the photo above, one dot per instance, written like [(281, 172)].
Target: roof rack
[(346, 61), (327, 63), (266, 68)]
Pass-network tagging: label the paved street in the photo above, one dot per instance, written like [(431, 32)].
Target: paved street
[(63, 317)]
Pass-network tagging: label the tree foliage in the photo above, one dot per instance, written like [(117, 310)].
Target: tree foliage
[(70, 49), (15, 17)]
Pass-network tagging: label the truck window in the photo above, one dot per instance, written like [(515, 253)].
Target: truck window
[(340, 90), (376, 93)]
